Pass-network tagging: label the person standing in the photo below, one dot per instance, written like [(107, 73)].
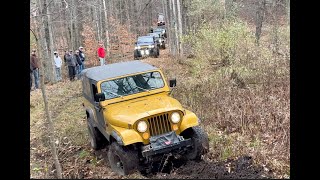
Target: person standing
[(64, 56), (82, 57), (57, 63), (35, 66), (71, 62), (79, 62), (31, 72), (101, 54)]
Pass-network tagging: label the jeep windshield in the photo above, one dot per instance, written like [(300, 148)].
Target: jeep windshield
[(148, 39), (158, 30), (155, 35), (132, 84)]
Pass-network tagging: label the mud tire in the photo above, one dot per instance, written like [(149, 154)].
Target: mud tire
[(122, 160), (200, 142)]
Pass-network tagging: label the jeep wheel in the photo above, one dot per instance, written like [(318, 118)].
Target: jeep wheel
[(200, 142), (96, 139), (122, 160)]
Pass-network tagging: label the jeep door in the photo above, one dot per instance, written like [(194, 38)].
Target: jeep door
[(98, 109)]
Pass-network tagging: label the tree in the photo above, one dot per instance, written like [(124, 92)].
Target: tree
[(48, 124), (107, 26), (176, 40), (288, 11), (180, 27), (259, 19)]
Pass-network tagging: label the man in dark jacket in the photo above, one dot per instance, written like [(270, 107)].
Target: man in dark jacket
[(34, 61), (64, 56), (79, 62), (72, 63)]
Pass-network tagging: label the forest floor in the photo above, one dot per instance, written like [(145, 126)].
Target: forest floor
[(78, 160)]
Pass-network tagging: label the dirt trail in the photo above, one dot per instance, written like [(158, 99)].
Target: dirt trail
[(160, 61)]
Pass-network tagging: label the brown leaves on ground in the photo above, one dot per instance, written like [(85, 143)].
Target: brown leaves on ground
[(248, 129)]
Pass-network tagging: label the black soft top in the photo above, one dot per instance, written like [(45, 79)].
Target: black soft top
[(108, 71)]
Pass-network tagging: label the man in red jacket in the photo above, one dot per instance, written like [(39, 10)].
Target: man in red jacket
[(101, 54)]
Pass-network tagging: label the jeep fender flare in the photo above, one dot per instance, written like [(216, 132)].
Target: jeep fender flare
[(125, 136), (189, 120), (90, 115)]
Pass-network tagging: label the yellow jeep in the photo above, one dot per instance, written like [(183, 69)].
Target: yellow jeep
[(129, 109)]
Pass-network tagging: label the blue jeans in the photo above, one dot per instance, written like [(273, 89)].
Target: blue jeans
[(83, 67), (30, 80), (78, 71), (101, 61), (36, 78), (58, 74)]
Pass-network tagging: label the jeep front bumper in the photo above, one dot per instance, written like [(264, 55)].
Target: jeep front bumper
[(145, 52), (165, 143)]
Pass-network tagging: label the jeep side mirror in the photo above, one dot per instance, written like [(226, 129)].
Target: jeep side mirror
[(99, 97), (172, 82)]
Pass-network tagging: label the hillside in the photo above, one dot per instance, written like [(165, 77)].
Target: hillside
[(259, 151)]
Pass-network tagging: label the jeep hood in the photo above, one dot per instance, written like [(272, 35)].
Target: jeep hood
[(128, 112)]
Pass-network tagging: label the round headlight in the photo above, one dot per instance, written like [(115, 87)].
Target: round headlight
[(142, 126), (175, 117)]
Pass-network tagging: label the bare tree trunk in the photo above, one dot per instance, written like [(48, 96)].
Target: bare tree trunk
[(171, 29), (71, 30), (75, 25), (184, 16), (45, 17), (163, 9), (48, 124), (128, 16), (97, 23), (50, 60), (223, 8), (151, 14), (175, 28), (180, 28), (275, 10), (288, 12), (120, 11), (107, 27), (259, 19), (102, 35), (135, 15)]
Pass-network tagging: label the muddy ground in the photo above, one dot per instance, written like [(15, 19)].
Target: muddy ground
[(94, 164)]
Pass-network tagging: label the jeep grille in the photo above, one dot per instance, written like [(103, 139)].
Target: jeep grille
[(159, 124)]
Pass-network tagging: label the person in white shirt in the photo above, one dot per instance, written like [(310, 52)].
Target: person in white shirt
[(58, 64)]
